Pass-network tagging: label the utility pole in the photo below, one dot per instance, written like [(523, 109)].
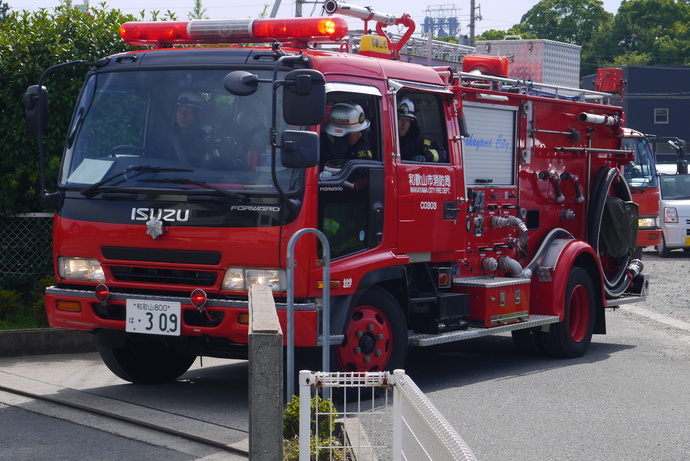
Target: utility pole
[(473, 19), (274, 11), (472, 22)]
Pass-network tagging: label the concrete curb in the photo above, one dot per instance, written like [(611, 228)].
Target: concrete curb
[(40, 341)]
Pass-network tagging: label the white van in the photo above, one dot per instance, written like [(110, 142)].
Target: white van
[(674, 210)]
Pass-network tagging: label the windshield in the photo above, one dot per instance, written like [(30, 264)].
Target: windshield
[(642, 173), (172, 129), (676, 187)]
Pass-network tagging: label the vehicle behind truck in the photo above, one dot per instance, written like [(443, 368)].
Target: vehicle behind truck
[(641, 176), (520, 219), (674, 206)]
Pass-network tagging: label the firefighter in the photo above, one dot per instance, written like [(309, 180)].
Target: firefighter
[(346, 134), (186, 141), (414, 146), (345, 212)]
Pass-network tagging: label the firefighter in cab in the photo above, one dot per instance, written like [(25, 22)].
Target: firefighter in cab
[(188, 135), (413, 145), (346, 134)]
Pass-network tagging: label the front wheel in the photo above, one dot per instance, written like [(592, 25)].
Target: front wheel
[(571, 337), (376, 335), (662, 250), (145, 361)]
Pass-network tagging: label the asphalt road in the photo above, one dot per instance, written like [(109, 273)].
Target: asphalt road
[(627, 398)]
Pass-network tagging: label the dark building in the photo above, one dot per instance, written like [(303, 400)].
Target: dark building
[(656, 101)]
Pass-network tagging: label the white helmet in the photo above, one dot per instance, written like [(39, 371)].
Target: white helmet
[(346, 118), (406, 109), (190, 99)]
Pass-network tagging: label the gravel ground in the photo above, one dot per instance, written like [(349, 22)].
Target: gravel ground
[(668, 304), (669, 284)]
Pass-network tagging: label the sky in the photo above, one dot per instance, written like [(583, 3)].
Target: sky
[(495, 14)]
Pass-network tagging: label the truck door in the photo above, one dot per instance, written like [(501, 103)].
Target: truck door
[(428, 180), (351, 178)]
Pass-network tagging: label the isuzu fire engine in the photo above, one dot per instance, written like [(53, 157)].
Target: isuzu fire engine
[(641, 176), (521, 220)]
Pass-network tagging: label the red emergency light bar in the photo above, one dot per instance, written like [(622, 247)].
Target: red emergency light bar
[(213, 31)]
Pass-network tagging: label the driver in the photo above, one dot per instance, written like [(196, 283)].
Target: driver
[(186, 139)]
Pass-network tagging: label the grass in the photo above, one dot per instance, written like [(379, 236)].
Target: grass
[(21, 321)]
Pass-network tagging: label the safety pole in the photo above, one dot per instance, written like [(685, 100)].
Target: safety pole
[(326, 317)]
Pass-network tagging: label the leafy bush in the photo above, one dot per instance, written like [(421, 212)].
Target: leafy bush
[(38, 305), (10, 303), (326, 426), (29, 43), (24, 305)]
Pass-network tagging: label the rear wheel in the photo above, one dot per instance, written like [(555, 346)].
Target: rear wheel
[(571, 337), (145, 361), (376, 335)]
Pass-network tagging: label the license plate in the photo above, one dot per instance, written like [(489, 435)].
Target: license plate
[(153, 317), (687, 241)]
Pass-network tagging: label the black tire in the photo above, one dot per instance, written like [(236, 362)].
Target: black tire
[(570, 338), (375, 336), (662, 250), (528, 341), (146, 361)]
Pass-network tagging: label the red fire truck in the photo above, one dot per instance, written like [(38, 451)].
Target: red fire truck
[(641, 176), (186, 172)]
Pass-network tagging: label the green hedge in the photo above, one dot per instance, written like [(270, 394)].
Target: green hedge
[(30, 42)]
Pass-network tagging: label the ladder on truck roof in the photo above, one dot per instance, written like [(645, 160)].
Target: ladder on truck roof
[(519, 86)]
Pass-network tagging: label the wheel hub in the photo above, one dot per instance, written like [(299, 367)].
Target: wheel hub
[(368, 338)]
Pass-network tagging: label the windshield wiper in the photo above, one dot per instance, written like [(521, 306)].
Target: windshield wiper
[(233, 195), (90, 191)]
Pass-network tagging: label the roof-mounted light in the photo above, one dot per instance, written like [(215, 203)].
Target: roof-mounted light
[(215, 31)]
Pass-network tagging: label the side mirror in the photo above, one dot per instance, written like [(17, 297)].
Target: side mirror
[(300, 149), (304, 97), (241, 83), (36, 117)]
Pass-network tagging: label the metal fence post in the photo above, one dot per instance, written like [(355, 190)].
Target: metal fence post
[(326, 317), (304, 415), (397, 416)]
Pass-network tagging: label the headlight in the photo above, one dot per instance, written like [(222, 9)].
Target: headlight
[(670, 214), (647, 223), (80, 269), (240, 279)]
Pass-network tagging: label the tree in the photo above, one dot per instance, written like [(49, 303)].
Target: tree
[(4, 8), (29, 43), (199, 12), (518, 30), (643, 32), (570, 21)]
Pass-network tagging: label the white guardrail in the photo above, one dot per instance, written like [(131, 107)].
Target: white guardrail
[(370, 427)]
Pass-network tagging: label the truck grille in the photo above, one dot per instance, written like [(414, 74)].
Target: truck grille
[(164, 276), (208, 258)]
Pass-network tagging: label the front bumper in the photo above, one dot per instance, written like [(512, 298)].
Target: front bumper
[(220, 321), (677, 235)]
